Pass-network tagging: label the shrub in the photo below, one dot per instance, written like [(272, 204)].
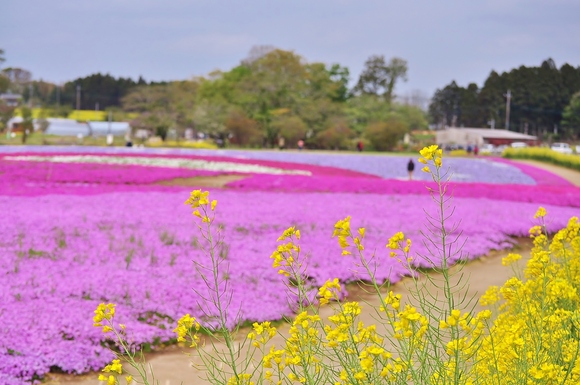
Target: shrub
[(384, 136), (335, 137), (245, 131), (201, 144), (544, 155)]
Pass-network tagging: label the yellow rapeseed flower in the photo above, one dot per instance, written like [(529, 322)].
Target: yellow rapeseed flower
[(540, 213)]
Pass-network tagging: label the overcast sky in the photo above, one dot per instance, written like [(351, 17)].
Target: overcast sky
[(176, 39)]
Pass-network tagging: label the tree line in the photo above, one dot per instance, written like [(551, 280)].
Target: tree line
[(271, 94), (542, 101)]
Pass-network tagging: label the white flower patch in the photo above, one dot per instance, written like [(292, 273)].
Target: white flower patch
[(192, 164)]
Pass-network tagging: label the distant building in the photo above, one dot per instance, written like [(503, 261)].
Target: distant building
[(480, 136), (11, 100), (56, 126), (105, 128)]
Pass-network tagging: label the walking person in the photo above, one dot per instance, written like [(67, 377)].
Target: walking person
[(410, 168), (300, 145)]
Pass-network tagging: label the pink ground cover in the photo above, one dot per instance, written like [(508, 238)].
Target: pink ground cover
[(62, 255), (542, 177), (313, 169), (558, 195), (75, 235)]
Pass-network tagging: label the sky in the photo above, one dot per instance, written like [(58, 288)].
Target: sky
[(61, 40)]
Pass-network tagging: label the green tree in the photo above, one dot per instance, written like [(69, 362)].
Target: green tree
[(163, 107), (571, 118), (414, 117), (6, 113), (380, 78), (291, 128), (384, 136), (365, 109), (337, 136), (244, 131), (27, 123)]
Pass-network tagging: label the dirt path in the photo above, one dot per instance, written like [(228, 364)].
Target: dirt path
[(175, 365)]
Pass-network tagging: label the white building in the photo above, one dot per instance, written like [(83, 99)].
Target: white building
[(480, 136)]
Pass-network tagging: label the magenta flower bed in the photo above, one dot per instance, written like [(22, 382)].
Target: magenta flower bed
[(542, 177), (75, 235), (559, 195), (135, 249)]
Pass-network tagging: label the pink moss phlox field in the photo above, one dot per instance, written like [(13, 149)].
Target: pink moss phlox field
[(314, 169), (99, 233), (62, 255), (559, 195), (542, 177)]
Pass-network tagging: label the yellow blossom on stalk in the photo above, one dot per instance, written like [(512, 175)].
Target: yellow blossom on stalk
[(103, 312), (536, 231), (285, 256), (289, 233), (540, 213), (394, 241), (408, 246), (342, 231), (184, 325), (490, 296), (241, 379), (358, 243), (213, 205), (511, 258), (392, 299), (114, 366), (428, 152), (111, 380), (198, 198), (325, 292), (262, 333), (129, 380), (433, 153)]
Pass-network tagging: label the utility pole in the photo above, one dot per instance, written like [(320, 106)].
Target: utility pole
[(78, 97), (110, 120), (507, 109), (58, 95), (30, 90)]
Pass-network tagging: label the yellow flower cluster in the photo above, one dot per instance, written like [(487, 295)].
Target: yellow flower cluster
[(510, 258), (394, 301), (241, 379), (285, 256), (263, 332), (114, 367), (301, 346), (200, 200), (185, 326), (411, 325), (104, 312), (541, 213), (326, 292), (431, 153), (534, 339), (396, 242)]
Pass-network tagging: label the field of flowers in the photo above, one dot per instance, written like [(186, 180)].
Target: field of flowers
[(78, 230)]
